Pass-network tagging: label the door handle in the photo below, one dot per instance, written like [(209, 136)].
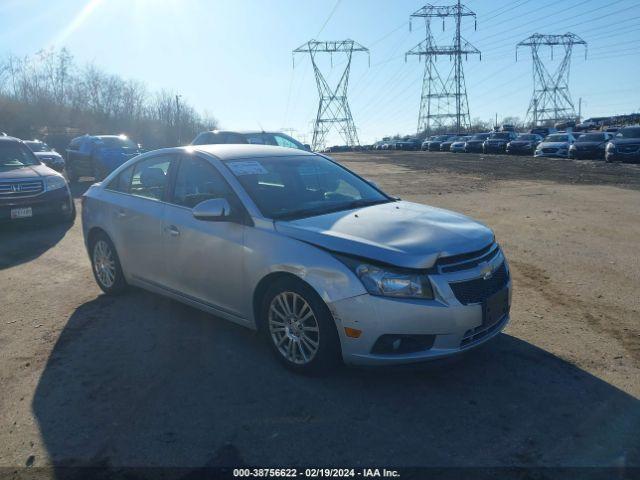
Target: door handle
[(172, 230)]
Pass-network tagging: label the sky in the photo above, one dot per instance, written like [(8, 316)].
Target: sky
[(232, 59)]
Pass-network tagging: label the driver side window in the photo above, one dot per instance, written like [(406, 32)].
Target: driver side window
[(197, 181)]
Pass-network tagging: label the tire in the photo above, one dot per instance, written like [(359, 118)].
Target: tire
[(291, 340), (101, 250)]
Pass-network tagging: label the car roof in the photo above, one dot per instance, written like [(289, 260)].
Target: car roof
[(7, 138), (245, 132), (235, 152)]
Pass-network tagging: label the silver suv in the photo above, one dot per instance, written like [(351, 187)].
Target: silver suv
[(324, 263)]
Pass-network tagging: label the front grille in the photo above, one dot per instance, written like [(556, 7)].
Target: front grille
[(472, 262), (21, 189), (549, 150), (479, 289), (629, 148), (450, 264)]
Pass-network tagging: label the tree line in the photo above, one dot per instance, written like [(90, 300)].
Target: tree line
[(50, 96)]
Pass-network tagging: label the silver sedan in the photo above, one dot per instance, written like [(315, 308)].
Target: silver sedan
[(293, 244)]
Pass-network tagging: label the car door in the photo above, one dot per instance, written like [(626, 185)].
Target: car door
[(205, 258), (137, 216)]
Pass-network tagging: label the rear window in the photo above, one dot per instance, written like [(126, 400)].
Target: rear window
[(592, 137)]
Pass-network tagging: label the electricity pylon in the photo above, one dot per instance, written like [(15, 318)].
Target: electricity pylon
[(551, 100), (443, 102), (333, 108)]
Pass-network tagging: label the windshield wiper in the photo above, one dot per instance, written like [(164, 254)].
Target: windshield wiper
[(311, 212)]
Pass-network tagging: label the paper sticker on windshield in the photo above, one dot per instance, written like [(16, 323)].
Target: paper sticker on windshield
[(247, 168)]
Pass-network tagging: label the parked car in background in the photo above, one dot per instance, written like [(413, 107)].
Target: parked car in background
[(497, 142), (508, 128), (434, 145), (474, 144), (425, 144), (457, 146), (591, 123), (327, 266), (543, 131), (624, 146), (445, 145), (565, 125), (525, 143), (410, 144), (589, 145), (29, 188), (252, 137), (555, 145), (46, 154), (98, 155)]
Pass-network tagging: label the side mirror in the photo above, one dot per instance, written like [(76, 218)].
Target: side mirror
[(307, 147), (214, 210)]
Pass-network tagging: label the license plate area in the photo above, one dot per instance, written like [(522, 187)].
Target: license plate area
[(495, 308), (25, 212)]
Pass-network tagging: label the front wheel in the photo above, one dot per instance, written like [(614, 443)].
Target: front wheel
[(106, 265), (300, 328)]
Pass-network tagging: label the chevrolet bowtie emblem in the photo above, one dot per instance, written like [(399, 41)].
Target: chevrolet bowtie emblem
[(486, 271)]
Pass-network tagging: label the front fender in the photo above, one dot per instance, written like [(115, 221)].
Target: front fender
[(270, 252)]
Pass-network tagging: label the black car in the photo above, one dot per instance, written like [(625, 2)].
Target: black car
[(497, 142), (525, 143), (474, 144), (434, 143), (590, 145), (30, 189), (625, 146), (277, 139), (445, 145)]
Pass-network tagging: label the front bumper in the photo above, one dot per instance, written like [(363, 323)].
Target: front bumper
[(498, 148), (623, 157), (520, 150), (54, 202), (555, 154), (456, 328)]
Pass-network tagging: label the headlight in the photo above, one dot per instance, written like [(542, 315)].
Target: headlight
[(611, 147), (54, 182), (572, 147), (390, 282)]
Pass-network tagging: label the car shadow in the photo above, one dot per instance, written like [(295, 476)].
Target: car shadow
[(26, 240), (139, 380)]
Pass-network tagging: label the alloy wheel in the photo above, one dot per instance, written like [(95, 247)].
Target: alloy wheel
[(294, 328), (104, 263)]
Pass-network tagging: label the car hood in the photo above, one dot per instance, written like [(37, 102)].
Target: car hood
[(521, 142), (400, 233), (26, 172), (554, 145), (47, 154)]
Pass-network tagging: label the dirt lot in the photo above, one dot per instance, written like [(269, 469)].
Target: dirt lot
[(140, 380)]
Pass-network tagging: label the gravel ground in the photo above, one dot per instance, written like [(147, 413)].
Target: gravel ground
[(140, 380)]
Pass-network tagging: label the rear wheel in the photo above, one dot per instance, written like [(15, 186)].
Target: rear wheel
[(106, 265), (300, 328)]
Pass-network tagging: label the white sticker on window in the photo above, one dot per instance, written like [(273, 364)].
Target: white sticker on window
[(247, 168)]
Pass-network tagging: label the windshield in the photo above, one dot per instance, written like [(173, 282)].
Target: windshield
[(501, 135), (302, 186), (592, 137), (557, 138), (630, 132), (37, 146), (116, 142), (527, 137), (13, 154), (480, 136)]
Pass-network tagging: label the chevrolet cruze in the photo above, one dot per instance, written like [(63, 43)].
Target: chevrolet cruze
[(325, 264)]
